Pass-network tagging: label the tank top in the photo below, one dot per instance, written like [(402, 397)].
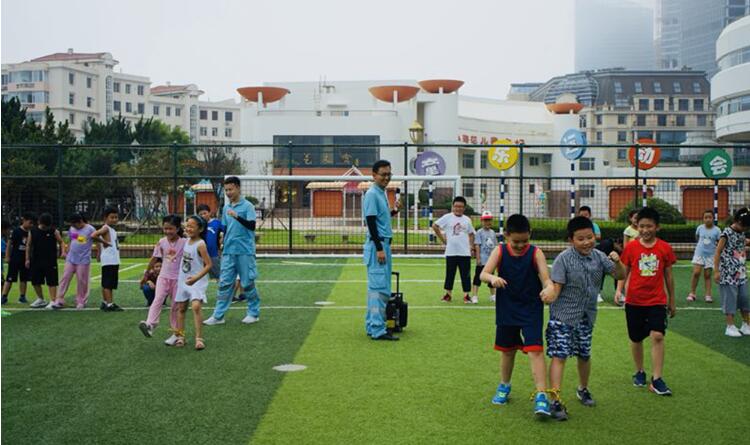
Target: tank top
[(111, 254), (519, 303), (43, 247), (191, 264)]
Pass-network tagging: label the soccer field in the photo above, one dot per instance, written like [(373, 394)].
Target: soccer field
[(87, 377)]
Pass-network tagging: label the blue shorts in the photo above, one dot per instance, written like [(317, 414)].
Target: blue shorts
[(565, 341), (510, 338)]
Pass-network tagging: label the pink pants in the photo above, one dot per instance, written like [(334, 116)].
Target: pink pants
[(81, 272), (164, 287)]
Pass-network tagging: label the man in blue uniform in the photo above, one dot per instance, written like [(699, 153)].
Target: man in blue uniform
[(377, 251)]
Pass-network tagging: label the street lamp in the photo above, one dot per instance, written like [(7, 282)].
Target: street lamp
[(416, 132)]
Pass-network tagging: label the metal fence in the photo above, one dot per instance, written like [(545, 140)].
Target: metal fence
[(298, 215)]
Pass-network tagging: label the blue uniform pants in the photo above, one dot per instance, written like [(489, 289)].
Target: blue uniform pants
[(378, 288), (233, 265)]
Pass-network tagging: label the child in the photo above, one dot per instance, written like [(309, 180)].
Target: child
[(707, 237), (730, 272), (519, 311), (214, 235), (15, 256), (238, 255), (193, 280), (577, 274), (109, 257), (148, 281), (456, 231), (629, 234), (586, 211), (169, 249), (41, 258), (648, 262), (77, 261), (5, 228), (485, 241)]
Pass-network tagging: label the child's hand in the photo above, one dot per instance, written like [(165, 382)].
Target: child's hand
[(151, 285), (190, 281), (547, 294), (28, 264), (717, 275), (618, 298), (672, 310), (499, 283), (614, 257)]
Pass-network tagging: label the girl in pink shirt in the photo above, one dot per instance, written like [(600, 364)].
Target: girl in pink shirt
[(169, 249)]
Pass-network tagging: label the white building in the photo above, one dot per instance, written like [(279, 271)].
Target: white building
[(79, 86), (730, 87)]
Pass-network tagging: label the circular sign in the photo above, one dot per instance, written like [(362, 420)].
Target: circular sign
[(429, 163), (716, 164), (573, 144), (503, 158), (648, 155)]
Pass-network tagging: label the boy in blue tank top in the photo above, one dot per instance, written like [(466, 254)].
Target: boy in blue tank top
[(523, 286)]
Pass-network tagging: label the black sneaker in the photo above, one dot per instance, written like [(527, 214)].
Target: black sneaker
[(115, 308), (659, 387), (558, 411), (104, 307), (386, 337), (639, 379), (5, 299), (239, 298), (585, 397), (23, 299)]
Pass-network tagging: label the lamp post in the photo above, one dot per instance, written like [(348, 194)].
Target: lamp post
[(416, 133)]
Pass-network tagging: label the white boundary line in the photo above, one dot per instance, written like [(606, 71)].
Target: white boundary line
[(241, 307), (120, 270)]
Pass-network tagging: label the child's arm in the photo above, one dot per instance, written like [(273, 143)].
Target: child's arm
[(619, 272), (717, 256), (61, 243), (438, 232), (98, 235), (669, 279), (543, 271), (206, 265), (488, 273), (472, 237), (28, 251), (9, 249), (621, 285)]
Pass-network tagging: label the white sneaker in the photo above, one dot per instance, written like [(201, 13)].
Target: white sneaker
[(171, 340), (210, 321), (492, 298), (250, 319), (732, 331), (474, 299), (599, 298), (745, 329), (38, 303)]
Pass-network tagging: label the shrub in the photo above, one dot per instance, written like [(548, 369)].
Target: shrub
[(669, 213)]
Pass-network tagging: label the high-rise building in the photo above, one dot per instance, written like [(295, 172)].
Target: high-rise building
[(613, 33), (730, 87), (686, 31)]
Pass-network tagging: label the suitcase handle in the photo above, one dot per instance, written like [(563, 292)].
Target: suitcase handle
[(398, 280)]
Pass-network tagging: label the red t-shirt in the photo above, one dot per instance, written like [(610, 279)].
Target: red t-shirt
[(647, 264)]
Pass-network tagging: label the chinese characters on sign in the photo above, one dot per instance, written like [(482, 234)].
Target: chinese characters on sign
[(716, 164), (648, 154)]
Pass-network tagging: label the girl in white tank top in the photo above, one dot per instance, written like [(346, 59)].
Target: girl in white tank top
[(192, 281)]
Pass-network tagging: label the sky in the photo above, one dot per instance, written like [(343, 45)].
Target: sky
[(221, 45)]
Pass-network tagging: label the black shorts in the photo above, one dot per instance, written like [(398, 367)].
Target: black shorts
[(642, 320), (42, 274), (508, 338), (109, 276), (477, 272), (16, 270)]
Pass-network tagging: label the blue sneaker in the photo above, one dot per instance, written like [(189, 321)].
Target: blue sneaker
[(639, 379), (541, 404), (659, 387), (502, 394)]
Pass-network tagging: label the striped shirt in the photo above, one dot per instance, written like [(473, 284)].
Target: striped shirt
[(581, 277)]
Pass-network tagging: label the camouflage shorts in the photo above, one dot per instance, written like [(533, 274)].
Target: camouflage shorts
[(565, 341)]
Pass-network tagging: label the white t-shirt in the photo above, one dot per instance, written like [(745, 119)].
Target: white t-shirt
[(456, 230)]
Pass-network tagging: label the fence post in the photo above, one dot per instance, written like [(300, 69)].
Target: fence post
[(406, 194), (635, 158), (60, 206), (174, 178), (520, 179), (290, 195)]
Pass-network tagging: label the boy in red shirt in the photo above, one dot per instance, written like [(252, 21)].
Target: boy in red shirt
[(648, 262)]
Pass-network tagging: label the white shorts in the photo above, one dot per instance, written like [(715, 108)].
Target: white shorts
[(706, 261), (190, 293)]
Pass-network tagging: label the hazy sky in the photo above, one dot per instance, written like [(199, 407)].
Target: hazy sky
[(221, 45)]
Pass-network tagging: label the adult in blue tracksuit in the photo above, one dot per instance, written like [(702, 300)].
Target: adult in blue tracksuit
[(238, 255), (377, 251)]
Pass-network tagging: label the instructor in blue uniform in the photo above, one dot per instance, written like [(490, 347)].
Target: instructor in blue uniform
[(377, 251)]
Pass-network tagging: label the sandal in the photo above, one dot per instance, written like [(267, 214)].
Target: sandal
[(199, 345), (180, 342)]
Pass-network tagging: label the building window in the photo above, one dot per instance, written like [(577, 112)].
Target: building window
[(127, 88), (204, 115), (640, 120), (657, 87), (72, 118), (204, 131), (214, 131), (661, 120), (467, 160), (177, 111), (622, 119), (88, 82), (156, 110), (587, 164), (71, 78), (680, 121), (483, 161), (598, 136), (116, 87), (586, 190), (598, 119), (546, 158), (89, 102), (658, 104), (228, 116), (696, 87), (700, 120), (128, 107), (618, 87), (643, 104), (622, 154), (683, 105), (698, 104), (677, 87), (169, 111), (468, 189), (638, 87), (227, 132), (141, 108), (622, 136), (116, 105), (214, 115), (532, 188), (140, 90), (72, 98), (533, 161), (483, 189)]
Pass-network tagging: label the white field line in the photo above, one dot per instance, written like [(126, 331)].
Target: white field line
[(395, 263), (98, 277)]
